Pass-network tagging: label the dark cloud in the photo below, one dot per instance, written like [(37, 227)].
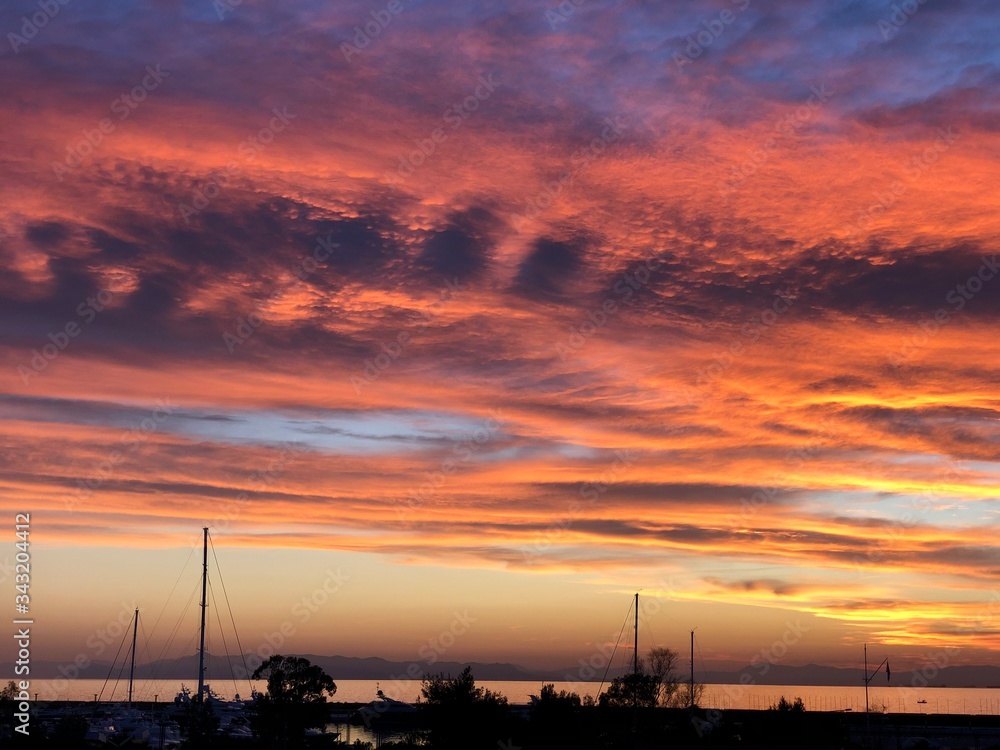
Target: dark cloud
[(550, 269), (461, 249), (769, 585), (985, 560), (726, 497), (114, 249), (901, 283), (962, 432), (47, 234), (841, 383)]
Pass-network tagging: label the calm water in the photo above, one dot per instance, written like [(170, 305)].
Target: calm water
[(815, 697)]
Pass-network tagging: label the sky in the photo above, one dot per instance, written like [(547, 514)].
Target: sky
[(460, 322)]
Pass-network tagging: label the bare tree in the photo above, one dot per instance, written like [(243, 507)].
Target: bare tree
[(683, 697), (662, 662)]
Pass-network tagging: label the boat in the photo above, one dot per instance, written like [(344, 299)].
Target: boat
[(390, 706), (233, 721), (383, 708), (120, 723), (231, 714), (921, 701), (100, 729)]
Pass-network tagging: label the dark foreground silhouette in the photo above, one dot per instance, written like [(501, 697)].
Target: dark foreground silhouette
[(456, 714)]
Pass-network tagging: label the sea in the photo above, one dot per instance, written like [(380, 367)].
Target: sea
[(882, 698)]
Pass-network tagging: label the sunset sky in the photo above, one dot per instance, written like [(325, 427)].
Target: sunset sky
[(509, 310)]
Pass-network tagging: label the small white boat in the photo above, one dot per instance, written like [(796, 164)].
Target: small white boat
[(383, 708)]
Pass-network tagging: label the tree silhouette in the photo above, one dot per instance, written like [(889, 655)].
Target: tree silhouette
[(9, 693), (786, 706), (653, 685), (635, 689), (556, 717), (662, 662), (295, 699), (461, 716)]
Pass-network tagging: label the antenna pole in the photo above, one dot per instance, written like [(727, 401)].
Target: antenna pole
[(635, 655), (131, 671), (869, 678), (204, 606), (635, 658), (691, 694)]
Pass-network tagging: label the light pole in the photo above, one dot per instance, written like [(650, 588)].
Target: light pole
[(868, 678)]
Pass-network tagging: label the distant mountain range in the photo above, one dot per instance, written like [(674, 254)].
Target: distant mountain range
[(373, 668)]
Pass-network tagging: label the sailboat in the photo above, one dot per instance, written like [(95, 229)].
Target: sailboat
[(127, 723), (231, 714), (693, 690), (635, 657)]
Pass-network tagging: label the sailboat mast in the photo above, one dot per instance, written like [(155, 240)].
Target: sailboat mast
[(204, 606), (635, 655), (691, 694), (867, 720), (131, 671)]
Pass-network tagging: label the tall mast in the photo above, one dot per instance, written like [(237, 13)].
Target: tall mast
[(204, 606), (131, 671), (691, 694), (867, 720), (635, 656)]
